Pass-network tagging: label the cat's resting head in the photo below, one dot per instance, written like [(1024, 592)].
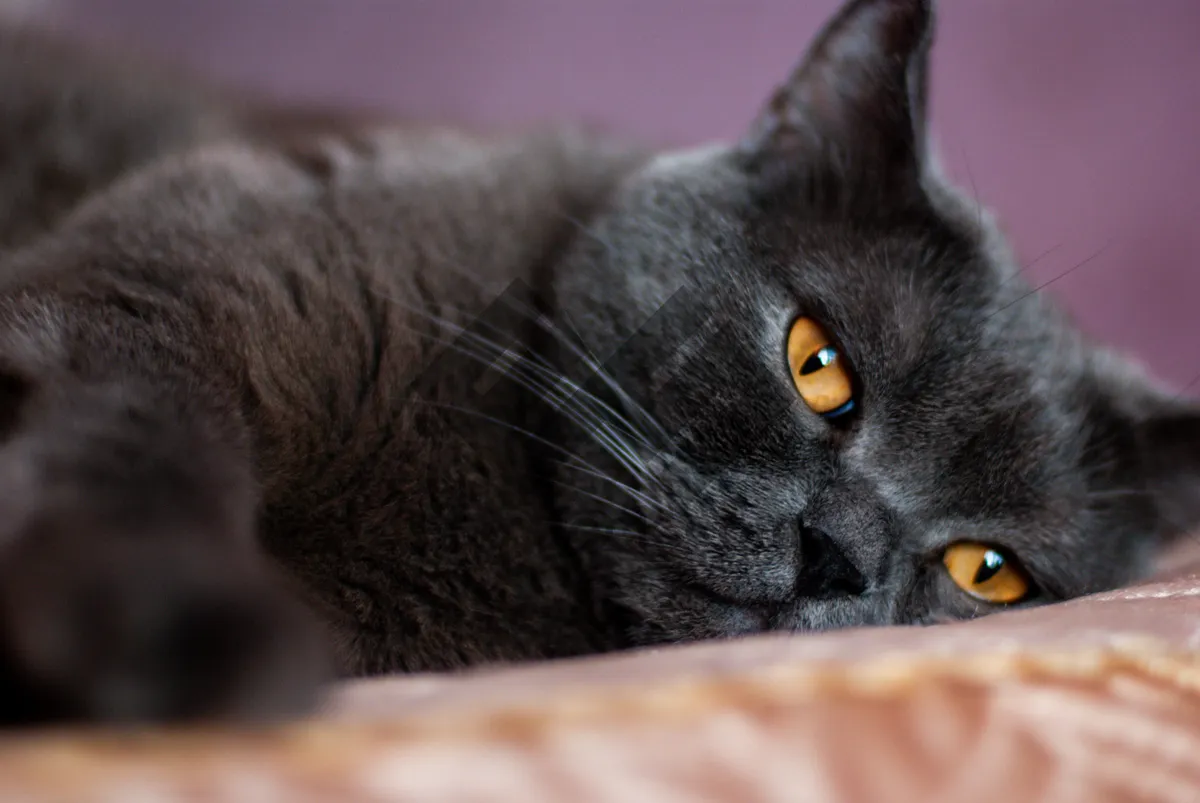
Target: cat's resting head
[(990, 458)]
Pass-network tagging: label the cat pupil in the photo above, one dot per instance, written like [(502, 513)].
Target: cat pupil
[(992, 563), (822, 358)]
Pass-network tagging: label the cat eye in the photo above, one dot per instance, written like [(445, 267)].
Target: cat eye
[(986, 573), (820, 372)]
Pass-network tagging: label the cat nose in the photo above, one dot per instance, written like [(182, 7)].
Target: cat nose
[(825, 571), (848, 526)]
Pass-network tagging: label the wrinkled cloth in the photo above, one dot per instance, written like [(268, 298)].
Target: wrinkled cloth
[(1095, 699)]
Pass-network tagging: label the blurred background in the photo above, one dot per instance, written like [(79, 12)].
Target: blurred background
[(1078, 121)]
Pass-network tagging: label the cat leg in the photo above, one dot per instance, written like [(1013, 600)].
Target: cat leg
[(131, 587)]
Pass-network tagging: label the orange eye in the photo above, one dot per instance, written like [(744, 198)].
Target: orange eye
[(820, 372), (985, 573)]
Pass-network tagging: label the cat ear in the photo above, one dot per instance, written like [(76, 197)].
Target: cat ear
[(1170, 440), (856, 104), (1166, 430)]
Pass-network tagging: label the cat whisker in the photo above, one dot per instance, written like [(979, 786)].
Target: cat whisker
[(592, 469), (1040, 257), (605, 436), (639, 516), (513, 427), (597, 422), (598, 429), (603, 530), (541, 362), (548, 326), (593, 365), (636, 494), (1095, 255), (555, 380), (1123, 493), (558, 384), (974, 192), (640, 538), (1190, 384), (1021, 269)]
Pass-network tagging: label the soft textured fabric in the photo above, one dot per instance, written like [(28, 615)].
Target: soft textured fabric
[(1092, 700)]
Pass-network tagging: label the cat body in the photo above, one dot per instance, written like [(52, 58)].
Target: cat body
[(284, 393), (264, 277)]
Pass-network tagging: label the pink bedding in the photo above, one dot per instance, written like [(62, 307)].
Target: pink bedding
[(1092, 700)]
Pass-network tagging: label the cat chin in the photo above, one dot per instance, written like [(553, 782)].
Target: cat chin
[(831, 614), (685, 614)]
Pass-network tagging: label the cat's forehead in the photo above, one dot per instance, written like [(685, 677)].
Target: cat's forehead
[(933, 295), (942, 331), (932, 313)]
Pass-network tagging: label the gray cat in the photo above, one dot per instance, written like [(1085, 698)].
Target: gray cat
[(287, 394)]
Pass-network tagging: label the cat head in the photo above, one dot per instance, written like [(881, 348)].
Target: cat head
[(830, 398)]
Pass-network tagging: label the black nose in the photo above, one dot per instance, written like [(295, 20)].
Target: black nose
[(825, 571)]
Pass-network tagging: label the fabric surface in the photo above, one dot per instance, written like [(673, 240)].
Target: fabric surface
[(1092, 700)]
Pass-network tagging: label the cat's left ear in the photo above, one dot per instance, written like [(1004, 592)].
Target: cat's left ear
[(855, 107)]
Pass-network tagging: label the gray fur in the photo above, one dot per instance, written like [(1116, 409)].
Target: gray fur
[(230, 332)]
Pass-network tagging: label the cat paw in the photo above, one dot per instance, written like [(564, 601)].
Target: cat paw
[(146, 626)]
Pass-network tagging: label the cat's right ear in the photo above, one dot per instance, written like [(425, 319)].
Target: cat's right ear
[(1170, 445), (1166, 434), (854, 110)]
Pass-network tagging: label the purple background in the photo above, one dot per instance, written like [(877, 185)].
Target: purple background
[(1078, 121)]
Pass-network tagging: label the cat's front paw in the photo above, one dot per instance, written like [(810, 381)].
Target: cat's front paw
[(147, 625)]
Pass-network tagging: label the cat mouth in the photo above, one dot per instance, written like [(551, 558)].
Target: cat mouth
[(830, 613), (732, 617)]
